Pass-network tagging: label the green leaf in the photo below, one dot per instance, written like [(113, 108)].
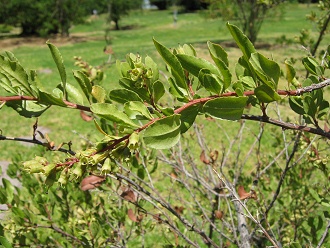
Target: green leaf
[(9, 189), (229, 108), (266, 94), (189, 50), (158, 90), (27, 108), (248, 82), (309, 106), (193, 64), (217, 51), (15, 74), (98, 93), (242, 41), (293, 245), (141, 173), (296, 105), (188, 117), (220, 58), (124, 95), (164, 133), (266, 69), (83, 82), (313, 66), (49, 99), (133, 109), (59, 63), (315, 195), (290, 72), (123, 68), (74, 95), (110, 112), (176, 68), (129, 85), (5, 243), (210, 82)]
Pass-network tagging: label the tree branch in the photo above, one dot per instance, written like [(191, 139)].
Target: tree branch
[(286, 125), (37, 142)]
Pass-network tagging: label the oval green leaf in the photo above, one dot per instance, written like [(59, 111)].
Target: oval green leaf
[(228, 108), (110, 112), (164, 133)]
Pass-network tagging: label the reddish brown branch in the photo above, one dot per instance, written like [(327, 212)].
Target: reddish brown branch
[(31, 98)]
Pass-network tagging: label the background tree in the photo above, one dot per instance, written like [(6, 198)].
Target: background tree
[(45, 17), (161, 4), (118, 8), (249, 14)]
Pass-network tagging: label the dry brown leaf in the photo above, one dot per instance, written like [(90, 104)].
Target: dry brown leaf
[(85, 116), (214, 155), (179, 210), (131, 215), (129, 195), (91, 182), (203, 158), (157, 218), (326, 128), (218, 214), (242, 193)]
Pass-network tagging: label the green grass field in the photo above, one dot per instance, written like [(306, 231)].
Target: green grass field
[(138, 30)]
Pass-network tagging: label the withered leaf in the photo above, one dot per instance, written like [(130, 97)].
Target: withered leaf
[(326, 128), (157, 218), (242, 193), (203, 158), (214, 155), (131, 215), (129, 195), (91, 182), (218, 214), (85, 116), (179, 210)]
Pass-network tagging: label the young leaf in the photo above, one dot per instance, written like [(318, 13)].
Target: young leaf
[(59, 63), (111, 112), (176, 68), (154, 68), (129, 85), (229, 108), (266, 94), (193, 64), (98, 93), (164, 133), (242, 41), (124, 95)]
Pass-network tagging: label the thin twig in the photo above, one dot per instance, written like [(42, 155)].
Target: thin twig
[(324, 235)]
